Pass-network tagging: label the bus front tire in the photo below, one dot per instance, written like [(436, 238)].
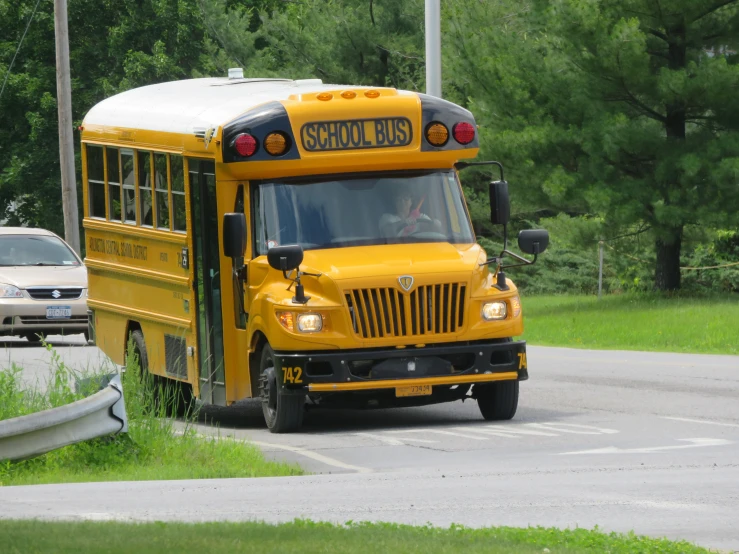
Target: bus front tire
[(497, 401), (283, 413)]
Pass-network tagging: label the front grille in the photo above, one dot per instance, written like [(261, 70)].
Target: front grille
[(387, 312), (59, 293), (37, 320)]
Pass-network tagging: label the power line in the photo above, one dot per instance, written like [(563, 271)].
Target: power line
[(20, 43)]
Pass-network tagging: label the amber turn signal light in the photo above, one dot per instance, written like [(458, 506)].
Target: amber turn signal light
[(437, 134), (276, 144)]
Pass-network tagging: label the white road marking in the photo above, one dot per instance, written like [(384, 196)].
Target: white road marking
[(489, 432), (440, 432), (688, 420), (394, 441), (315, 456), (695, 443), (516, 430), (302, 451), (573, 428)]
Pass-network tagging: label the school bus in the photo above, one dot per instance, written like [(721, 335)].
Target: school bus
[(302, 243)]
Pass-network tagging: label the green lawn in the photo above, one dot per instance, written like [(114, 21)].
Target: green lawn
[(145, 457), (305, 537), (153, 449), (634, 322)]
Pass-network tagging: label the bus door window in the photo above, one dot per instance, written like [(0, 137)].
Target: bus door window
[(114, 184), (240, 312)]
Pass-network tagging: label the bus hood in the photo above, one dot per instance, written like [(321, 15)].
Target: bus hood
[(393, 260)]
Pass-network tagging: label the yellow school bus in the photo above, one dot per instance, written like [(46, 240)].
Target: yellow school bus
[(303, 243)]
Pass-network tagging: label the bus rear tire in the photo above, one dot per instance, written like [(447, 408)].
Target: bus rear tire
[(497, 401), (283, 413), (168, 396)]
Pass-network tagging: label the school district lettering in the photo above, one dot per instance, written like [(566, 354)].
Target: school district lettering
[(118, 248)]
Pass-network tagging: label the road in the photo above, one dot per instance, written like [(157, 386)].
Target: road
[(622, 440)]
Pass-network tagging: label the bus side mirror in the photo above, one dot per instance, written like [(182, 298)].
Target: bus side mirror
[(285, 258), (533, 241), (234, 235), (500, 204)]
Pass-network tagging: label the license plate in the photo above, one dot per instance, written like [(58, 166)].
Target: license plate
[(58, 312), (416, 390)]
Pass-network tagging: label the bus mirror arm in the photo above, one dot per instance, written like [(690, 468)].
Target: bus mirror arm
[(531, 241), (300, 297)]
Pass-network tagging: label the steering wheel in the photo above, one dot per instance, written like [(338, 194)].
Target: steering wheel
[(416, 227)]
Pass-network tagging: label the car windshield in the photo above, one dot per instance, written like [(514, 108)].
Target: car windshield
[(26, 250), (380, 209)]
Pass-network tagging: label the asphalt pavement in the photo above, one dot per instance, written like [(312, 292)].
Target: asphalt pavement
[(624, 440)]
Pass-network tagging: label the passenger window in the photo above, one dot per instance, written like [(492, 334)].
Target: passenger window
[(178, 193), (162, 192), (129, 186), (95, 181), (145, 189), (114, 184)]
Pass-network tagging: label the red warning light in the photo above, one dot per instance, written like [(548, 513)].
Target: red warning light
[(464, 133), (245, 145)]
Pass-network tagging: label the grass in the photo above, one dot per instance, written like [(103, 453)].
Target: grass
[(153, 449), (306, 537), (647, 322)]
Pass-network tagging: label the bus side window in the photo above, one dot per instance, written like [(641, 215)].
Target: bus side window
[(178, 193), (145, 189), (129, 186), (162, 191), (114, 184), (95, 181)]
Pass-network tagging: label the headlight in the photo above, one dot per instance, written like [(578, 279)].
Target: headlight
[(9, 291), (494, 310), (306, 323), (310, 323)]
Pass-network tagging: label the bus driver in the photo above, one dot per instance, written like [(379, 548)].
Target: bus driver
[(406, 220)]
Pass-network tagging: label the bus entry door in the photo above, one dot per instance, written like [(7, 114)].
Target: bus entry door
[(207, 281)]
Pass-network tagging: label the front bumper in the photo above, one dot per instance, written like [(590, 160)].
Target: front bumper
[(381, 369), (24, 315)]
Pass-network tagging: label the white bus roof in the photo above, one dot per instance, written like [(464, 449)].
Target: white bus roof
[(195, 104)]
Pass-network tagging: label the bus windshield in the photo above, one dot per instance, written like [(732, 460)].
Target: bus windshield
[(380, 209)]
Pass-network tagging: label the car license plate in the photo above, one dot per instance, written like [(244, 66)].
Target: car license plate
[(58, 312), (416, 390)]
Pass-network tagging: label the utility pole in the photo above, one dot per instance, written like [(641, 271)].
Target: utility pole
[(66, 136), (433, 48), (600, 268)]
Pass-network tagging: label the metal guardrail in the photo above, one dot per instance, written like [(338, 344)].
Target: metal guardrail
[(103, 413)]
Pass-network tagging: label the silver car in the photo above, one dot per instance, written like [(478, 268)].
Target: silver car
[(43, 285)]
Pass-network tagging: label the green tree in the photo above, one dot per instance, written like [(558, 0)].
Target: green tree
[(372, 42), (617, 107), (114, 45)]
